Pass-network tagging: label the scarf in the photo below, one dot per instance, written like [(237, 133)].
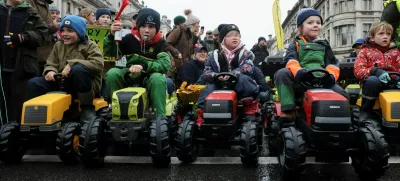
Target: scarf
[(230, 54), (154, 40)]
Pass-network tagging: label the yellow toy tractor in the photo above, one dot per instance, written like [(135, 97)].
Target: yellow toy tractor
[(386, 111), (48, 121), (133, 122)]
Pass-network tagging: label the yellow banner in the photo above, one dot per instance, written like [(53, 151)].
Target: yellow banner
[(276, 14), (97, 34)]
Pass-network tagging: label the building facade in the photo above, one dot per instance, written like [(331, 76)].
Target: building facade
[(344, 21)]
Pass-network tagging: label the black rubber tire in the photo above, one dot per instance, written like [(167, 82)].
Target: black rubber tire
[(292, 152), (11, 149), (65, 143), (372, 160), (93, 143), (360, 123), (248, 145), (160, 149), (273, 136), (186, 148), (173, 127)]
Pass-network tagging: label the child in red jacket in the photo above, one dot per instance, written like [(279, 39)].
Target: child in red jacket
[(377, 56)]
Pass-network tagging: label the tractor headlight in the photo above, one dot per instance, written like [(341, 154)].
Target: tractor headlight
[(115, 107), (134, 100), (115, 100)]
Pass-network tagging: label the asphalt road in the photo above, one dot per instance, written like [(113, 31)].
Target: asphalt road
[(225, 165)]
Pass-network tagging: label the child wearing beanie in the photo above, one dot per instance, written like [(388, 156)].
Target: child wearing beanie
[(236, 59), (304, 53), (80, 62), (103, 17)]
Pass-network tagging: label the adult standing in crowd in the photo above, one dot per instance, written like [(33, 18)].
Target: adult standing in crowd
[(134, 18), (209, 41), (260, 51), (88, 15)]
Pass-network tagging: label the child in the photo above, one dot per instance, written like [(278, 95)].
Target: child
[(300, 59), (87, 15), (145, 50), (233, 58), (79, 60), (377, 56), (103, 17), (356, 47), (20, 40)]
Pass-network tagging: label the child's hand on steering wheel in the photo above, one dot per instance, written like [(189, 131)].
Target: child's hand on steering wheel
[(224, 78), (135, 69)]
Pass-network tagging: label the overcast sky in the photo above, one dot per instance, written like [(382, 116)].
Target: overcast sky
[(253, 17)]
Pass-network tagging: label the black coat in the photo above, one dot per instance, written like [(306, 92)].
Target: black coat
[(190, 72), (261, 53)]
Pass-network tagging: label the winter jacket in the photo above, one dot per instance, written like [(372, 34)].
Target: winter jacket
[(184, 46), (154, 57), (353, 55), (261, 53), (372, 57), (24, 20), (86, 53), (43, 8), (190, 72), (210, 45), (391, 14), (217, 63), (318, 54)]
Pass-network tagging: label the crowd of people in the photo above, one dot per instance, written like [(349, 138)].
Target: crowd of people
[(46, 45)]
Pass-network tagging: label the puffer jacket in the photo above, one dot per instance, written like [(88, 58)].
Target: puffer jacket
[(372, 57)]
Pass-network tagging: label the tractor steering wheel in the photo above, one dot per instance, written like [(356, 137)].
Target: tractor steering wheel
[(315, 77), (135, 81), (227, 84), (392, 84)]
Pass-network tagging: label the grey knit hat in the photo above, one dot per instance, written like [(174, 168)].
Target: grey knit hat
[(190, 18)]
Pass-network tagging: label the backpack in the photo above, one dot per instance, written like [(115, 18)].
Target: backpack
[(179, 37)]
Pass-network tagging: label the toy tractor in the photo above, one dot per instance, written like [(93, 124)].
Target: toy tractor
[(48, 121), (224, 125), (324, 127), (133, 122), (386, 115)]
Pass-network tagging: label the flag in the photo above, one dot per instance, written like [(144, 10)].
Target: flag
[(276, 14), (124, 4)]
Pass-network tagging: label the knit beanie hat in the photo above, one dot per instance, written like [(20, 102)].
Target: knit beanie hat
[(190, 18), (304, 13), (77, 24), (148, 16), (54, 8), (102, 11), (261, 38), (225, 29), (179, 20)]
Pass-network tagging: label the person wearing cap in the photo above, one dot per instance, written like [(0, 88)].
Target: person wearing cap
[(55, 15), (145, 51), (233, 58), (103, 17), (180, 43), (216, 38), (79, 60), (305, 52), (260, 51), (88, 15), (193, 69), (356, 47), (209, 41)]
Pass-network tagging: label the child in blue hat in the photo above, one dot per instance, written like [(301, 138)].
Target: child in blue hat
[(79, 60), (356, 47)]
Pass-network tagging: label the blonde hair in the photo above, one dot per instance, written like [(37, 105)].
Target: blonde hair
[(376, 27), (85, 13)]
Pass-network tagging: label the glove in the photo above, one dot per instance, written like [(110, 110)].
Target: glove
[(246, 69), (300, 75), (329, 81), (13, 40), (384, 78)]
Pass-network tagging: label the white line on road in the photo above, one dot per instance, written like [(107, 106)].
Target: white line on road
[(175, 160)]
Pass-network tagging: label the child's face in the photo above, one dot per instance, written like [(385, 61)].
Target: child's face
[(232, 40), (148, 30), (105, 20), (69, 36), (382, 37), (311, 27), (91, 19), (55, 15)]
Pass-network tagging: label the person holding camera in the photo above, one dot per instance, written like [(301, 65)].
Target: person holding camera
[(260, 51)]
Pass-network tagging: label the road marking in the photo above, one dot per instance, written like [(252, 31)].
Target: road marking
[(175, 160)]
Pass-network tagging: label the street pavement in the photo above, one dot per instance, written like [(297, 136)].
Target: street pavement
[(225, 165)]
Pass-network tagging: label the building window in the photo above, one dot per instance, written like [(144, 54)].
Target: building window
[(344, 5), (336, 6), (345, 35), (367, 4), (323, 12), (68, 7), (366, 27), (328, 35), (350, 5), (327, 8)]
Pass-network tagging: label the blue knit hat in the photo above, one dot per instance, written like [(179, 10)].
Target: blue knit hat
[(358, 42), (77, 24), (304, 13), (103, 11)]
